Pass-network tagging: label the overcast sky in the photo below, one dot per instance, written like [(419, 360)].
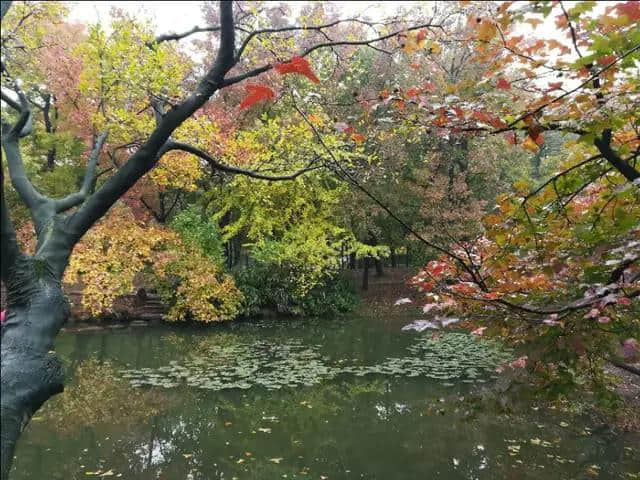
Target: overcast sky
[(178, 16)]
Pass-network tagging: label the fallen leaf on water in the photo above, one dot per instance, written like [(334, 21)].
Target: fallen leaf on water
[(276, 460)]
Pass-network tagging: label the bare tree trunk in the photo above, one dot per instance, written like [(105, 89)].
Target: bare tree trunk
[(352, 261), (379, 270), (365, 273), (30, 371)]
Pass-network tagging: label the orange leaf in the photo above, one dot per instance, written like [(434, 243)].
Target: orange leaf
[(555, 85), (486, 30), (503, 84), (530, 145), (257, 93), (358, 137), (511, 138), (297, 65)]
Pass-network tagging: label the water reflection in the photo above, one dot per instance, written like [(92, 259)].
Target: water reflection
[(375, 426)]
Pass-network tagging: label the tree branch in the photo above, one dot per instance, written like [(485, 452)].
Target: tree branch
[(237, 170), (10, 101), (9, 249), (88, 184), (179, 36), (604, 145), (29, 195), (4, 8)]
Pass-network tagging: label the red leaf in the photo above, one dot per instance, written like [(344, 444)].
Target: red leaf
[(427, 286), (430, 87), (503, 84), (606, 60), (297, 65), (464, 288), (436, 268), (422, 34), (459, 112), (492, 295), (535, 132), (555, 85), (257, 93), (481, 116), (630, 9), (497, 123), (413, 92), (512, 138)]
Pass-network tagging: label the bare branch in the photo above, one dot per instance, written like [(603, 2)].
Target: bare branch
[(179, 36), (237, 170), (10, 101), (88, 184), (572, 29), (29, 195), (604, 145)]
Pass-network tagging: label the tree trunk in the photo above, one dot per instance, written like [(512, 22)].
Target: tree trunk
[(379, 269), (394, 261), (352, 261), (31, 373), (365, 274)]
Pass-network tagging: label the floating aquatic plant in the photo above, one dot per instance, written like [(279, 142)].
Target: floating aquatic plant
[(295, 364)]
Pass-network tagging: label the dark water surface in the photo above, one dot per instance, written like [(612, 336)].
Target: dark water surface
[(332, 399)]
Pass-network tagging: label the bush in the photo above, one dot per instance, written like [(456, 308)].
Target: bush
[(272, 287)]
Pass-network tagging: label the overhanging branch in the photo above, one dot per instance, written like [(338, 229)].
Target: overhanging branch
[(236, 170)]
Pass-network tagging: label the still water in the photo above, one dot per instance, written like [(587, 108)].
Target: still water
[(310, 399)]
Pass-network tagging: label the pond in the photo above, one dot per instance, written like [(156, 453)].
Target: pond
[(301, 399)]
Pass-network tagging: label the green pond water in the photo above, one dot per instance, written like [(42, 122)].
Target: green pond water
[(301, 399)]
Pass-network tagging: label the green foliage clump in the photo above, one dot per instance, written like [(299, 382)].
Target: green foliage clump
[(271, 287), (197, 231)]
